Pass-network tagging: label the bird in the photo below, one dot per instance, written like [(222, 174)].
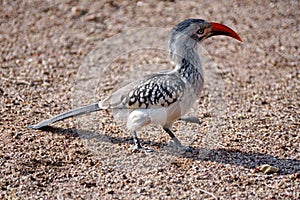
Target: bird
[(162, 97)]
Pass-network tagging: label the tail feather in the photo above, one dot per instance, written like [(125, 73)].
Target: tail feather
[(71, 113)]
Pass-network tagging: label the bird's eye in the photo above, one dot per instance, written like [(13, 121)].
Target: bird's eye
[(200, 31)]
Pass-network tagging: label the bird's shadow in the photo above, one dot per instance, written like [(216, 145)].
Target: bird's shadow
[(220, 155)]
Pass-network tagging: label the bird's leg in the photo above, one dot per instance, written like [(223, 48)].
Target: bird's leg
[(176, 141), (138, 146), (174, 138)]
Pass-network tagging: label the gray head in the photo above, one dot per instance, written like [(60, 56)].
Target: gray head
[(190, 29), (189, 32)]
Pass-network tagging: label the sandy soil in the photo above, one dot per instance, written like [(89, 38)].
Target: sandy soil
[(47, 46)]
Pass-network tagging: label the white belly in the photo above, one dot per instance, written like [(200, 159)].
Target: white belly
[(161, 116)]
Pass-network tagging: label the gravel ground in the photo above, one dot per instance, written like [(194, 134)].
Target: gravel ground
[(46, 46)]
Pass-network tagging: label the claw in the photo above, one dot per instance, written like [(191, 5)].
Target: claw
[(185, 148), (141, 149), (180, 147)]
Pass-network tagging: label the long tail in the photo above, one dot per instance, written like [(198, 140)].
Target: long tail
[(71, 113)]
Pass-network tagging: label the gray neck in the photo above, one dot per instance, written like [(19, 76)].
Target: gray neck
[(184, 52)]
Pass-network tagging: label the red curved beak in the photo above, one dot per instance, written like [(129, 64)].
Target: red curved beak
[(220, 29)]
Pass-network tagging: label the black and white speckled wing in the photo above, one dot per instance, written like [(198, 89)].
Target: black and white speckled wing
[(155, 91)]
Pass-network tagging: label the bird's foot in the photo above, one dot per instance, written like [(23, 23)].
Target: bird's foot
[(184, 148), (136, 148), (180, 147)]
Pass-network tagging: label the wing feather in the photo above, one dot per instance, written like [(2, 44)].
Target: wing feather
[(155, 91)]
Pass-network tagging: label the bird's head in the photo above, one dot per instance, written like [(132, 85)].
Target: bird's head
[(199, 29)]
